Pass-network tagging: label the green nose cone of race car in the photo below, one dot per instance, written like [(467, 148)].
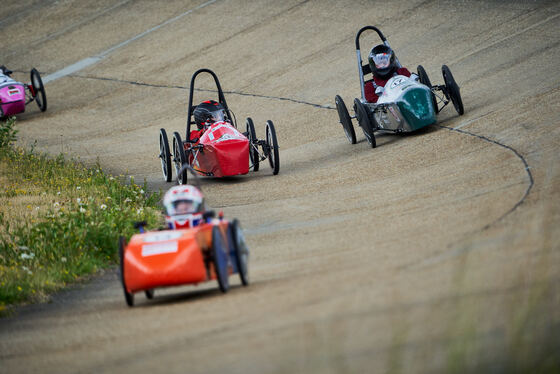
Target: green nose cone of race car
[(417, 108)]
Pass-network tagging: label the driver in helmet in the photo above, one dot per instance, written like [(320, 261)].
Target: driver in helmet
[(184, 206), (5, 71), (205, 114), (5, 74), (383, 64)]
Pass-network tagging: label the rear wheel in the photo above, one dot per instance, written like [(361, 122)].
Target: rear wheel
[(40, 95), (453, 90), (165, 155), (179, 158), (272, 142), (253, 151), (345, 119), (426, 81), (362, 114), (129, 297), (219, 259), (241, 251)]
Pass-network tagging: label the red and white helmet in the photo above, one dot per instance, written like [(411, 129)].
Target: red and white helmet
[(184, 206)]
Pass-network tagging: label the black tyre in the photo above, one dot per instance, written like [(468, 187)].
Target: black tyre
[(252, 136), (345, 119), (272, 142), (40, 95), (453, 90), (129, 297), (240, 250), (165, 155), (149, 294), (362, 115), (219, 259), (426, 81), (179, 158)]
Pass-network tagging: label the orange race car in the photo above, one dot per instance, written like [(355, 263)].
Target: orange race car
[(196, 247)]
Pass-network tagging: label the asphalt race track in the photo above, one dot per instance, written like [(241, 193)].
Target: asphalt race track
[(435, 252)]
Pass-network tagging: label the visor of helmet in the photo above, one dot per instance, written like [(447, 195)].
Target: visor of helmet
[(219, 116), (181, 207), (382, 60)]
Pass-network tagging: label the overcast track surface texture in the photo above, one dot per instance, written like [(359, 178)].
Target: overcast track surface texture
[(436, 251)]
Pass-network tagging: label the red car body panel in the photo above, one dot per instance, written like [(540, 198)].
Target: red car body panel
[(225, 152)]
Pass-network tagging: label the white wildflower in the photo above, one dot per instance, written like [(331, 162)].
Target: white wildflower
[(23, 248), (63, 259), (139, 210), (82, 210), (111, 178), (78, 200), (56, 204), (27, 256), (142, 191), (26, 269), (58, 193), (78, 188), (127, 200), (103, 206)]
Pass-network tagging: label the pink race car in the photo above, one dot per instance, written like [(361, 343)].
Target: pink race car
[(14, 95)]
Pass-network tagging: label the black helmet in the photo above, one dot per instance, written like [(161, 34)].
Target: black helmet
[(382, 61), (209, 111)]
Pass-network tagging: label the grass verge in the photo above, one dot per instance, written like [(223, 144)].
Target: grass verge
[(60, 220)]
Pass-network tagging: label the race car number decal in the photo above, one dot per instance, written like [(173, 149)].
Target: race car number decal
[(159, 248), (233, 135), (162, 236), (398, 81), (228, 137)]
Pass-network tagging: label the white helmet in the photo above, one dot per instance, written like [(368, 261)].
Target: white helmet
[(184, 206)]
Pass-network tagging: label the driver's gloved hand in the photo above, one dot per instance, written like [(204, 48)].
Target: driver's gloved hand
[(415, 77), (379, 90), (5, 70)]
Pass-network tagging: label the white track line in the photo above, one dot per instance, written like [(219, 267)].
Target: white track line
[(71, 27), (508, 37), (94, 59), (468, 122)]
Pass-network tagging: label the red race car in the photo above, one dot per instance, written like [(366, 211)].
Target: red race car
[(216, 148), (195, 248)]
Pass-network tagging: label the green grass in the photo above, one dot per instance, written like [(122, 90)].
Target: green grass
[(59, 220)]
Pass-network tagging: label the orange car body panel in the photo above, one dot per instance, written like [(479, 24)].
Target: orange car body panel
[(168, 258)]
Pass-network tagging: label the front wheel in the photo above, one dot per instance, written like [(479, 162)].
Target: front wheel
[(423, 76), (252, 136), (362, 114), (40, 95), (453, 90), (345, 119), (219, 259), (129, 297), (165, 155), (241, 251), (272, 143), (179, 158)]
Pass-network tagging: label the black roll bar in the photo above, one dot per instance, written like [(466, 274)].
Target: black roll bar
[(221, 98)]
